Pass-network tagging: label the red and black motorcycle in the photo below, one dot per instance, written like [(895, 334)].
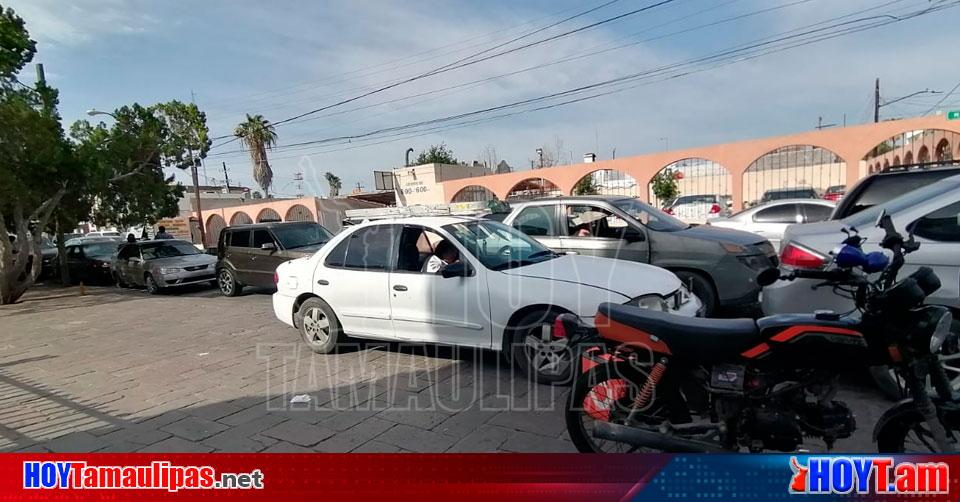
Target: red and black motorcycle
[(652, 381)]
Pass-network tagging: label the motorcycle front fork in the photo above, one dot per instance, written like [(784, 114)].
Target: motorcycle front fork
[(928, 410)]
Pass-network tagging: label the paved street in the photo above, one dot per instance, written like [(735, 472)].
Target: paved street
[(124, 371)]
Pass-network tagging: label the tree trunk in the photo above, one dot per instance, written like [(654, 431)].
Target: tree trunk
[(62, 256)]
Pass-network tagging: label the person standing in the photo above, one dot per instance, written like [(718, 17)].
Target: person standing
[(162, 233)]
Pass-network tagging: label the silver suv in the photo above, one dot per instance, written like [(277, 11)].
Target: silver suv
[(719, 264)]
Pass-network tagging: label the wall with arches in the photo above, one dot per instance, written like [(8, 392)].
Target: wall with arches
[(851, 145)]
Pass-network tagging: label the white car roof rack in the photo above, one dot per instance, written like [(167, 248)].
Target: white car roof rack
[(452, 209)]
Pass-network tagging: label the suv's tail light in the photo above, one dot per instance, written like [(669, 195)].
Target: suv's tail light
[(715, 209), (276, 278), (668, 210), (796, 256)]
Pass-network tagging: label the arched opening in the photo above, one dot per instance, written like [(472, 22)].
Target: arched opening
[(299, 212), (240, 218), (215, 223), (473, 193), (607, 182), (532, 188), (695, 189), (886, 164), (267, 214), (792, 171), (921, 146)]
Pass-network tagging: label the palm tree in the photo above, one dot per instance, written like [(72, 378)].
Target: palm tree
[(257, 136), (334, 181)]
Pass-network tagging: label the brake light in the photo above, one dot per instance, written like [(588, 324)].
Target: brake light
[(715, 209), (796, 256), (668, 210), (276, 278), (559, 330)]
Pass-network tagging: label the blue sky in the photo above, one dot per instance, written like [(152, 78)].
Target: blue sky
[(283, 58)]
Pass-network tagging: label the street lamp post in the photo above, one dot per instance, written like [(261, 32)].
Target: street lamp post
[(93, 112)]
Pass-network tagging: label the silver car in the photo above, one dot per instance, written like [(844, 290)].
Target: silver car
[(161, 264), (771, 220)]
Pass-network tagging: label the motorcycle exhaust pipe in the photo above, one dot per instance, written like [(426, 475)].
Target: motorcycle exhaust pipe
[(643, 438)]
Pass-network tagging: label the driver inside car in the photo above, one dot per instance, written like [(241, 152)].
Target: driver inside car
[(444, 254)]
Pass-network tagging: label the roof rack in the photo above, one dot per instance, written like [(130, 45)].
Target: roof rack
[(452, 209)]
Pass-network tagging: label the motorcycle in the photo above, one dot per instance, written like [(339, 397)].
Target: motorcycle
[(651, 381)]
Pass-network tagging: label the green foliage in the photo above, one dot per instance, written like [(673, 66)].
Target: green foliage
[(258, 135), (436, 154), (334, 181), (665, 186), (586, 186), (16, 47)]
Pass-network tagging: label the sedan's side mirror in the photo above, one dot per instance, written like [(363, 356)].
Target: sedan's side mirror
[(631, 234), (458, 269), (268, 246)]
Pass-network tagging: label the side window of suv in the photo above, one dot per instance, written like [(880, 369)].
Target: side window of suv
[(239, 239), (261, 236), (941, 225), (369, 248), (592, 221), (537, 221)]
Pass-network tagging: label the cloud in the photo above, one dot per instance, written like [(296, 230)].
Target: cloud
[(78, 22)]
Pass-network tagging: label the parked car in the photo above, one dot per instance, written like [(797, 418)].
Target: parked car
[(248, 255), (834, 193), (91, 262), (770, 220), (81, 240), (160, 264), (882, 187), (720, 264), (931, 214), (502, 293), (699, 208), (790, 193), (49, 254), (105, 233)]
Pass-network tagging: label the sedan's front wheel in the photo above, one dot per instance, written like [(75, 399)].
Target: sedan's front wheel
[(319, 327), (153, 287), (537, 353)]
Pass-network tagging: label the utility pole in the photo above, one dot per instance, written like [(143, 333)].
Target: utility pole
[(298, 177), (196, 194), (540, 155), (876, 101), (226, 177)]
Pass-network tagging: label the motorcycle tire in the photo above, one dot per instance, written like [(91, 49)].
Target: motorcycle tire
[(909, 434), (605, 392), (891, 385)]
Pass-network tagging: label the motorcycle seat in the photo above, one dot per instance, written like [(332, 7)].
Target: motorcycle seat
[(694, 338)]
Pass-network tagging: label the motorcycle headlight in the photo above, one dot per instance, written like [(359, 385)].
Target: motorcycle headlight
[(941, 332), (169, 270), (650, 302)]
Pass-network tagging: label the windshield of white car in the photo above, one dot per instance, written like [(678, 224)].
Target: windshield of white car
[(650, 217), (167, 250), (869, 216), (498, 246), (302, 235)]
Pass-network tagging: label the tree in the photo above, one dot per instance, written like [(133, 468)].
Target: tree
[(334, 181), (489, 157), (664, 185), (437, 154), (16, 47), (257, 135), (586, 186)]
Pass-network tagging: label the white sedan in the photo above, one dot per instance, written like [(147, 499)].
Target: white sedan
[(499, 290)]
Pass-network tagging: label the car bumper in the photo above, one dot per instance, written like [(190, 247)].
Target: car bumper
[(185, 277), (798, 296), (283, 308)]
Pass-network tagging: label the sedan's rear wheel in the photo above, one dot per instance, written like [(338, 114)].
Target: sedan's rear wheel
[(319, 326)]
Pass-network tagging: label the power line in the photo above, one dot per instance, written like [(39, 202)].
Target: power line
[(944, 98), (744, 52)]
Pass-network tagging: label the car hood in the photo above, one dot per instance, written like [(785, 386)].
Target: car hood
[(627, 278), (716, 234), (184, 261)]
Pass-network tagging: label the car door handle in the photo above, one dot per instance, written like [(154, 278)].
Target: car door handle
[(399, 287), (323, 282)]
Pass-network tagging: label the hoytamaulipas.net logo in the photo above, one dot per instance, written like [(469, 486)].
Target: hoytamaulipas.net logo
[(868, 475), (158, 475)]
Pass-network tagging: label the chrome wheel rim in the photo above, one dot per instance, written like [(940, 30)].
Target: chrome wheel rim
[(545, 354), (225, 280), (316, 326)]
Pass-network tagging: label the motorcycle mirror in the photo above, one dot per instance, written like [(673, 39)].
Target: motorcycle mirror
[(768, 277)]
